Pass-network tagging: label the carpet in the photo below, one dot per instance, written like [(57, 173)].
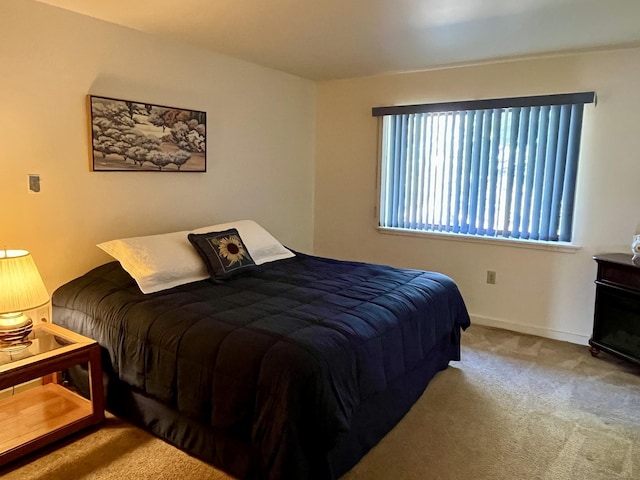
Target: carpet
[(516, 407)]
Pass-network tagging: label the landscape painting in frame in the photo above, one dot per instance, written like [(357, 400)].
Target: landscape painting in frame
[(135, 136)]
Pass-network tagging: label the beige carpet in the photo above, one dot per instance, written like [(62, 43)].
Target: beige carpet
[(515, 407)]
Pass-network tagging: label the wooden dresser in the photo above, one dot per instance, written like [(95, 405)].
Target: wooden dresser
[(616, 323)]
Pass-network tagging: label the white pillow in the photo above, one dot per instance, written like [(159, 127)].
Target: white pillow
[(262, 246), (158, 262)]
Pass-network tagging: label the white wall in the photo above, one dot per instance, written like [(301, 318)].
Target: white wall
[(541, 292), (260, 139)]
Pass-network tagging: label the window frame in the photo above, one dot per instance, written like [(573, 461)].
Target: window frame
[(500, 103)]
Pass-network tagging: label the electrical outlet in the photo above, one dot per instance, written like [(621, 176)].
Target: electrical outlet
[(491, 277), (43, 314), (40, 314)]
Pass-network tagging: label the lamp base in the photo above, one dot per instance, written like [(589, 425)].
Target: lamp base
[(13, 337)]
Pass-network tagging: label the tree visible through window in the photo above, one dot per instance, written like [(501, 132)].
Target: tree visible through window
[(493, 168)]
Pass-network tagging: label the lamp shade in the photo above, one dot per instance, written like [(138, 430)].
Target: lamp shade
[(21, 287)]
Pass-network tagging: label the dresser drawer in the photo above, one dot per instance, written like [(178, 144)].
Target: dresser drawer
[(620, 276)]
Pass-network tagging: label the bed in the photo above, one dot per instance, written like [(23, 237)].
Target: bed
[(292, 369)]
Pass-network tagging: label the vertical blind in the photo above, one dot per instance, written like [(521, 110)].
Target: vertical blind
[(495, 168)]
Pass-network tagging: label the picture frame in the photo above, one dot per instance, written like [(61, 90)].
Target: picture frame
[(130, 136)]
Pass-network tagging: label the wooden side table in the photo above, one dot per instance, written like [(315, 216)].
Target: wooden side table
[(35, 417)]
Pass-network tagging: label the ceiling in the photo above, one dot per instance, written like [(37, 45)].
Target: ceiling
[(331, 39)]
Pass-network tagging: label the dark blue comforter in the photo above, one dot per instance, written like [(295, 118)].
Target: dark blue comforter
[(281, 357)]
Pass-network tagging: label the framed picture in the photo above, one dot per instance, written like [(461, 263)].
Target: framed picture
[(131, 136)]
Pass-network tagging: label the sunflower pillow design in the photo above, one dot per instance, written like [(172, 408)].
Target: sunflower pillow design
[(224, 253)]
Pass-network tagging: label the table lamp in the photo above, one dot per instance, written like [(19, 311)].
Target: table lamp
[(21, 288)]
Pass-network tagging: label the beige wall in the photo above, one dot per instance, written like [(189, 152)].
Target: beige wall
[(264, 128), (542, 292), (260, 139)]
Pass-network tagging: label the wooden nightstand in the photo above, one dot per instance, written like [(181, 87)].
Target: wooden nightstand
[(34, 417)]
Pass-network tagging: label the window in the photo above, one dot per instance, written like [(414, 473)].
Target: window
[(502, 168)]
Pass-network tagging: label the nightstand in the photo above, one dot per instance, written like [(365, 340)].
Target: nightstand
[(33, 417)]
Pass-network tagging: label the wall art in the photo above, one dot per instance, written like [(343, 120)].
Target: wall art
[(136, 136)]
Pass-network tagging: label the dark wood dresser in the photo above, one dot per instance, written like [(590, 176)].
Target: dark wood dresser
[(616, 322)]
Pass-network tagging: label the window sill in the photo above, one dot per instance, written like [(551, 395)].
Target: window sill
[(562, 247)]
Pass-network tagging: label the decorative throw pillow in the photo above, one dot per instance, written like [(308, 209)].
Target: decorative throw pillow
[(263, 247), (224, 253)]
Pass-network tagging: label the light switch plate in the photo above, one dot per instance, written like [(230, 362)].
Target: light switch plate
[(34, 183)]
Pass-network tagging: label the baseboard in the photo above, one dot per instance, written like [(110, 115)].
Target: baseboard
[(531, 330)]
